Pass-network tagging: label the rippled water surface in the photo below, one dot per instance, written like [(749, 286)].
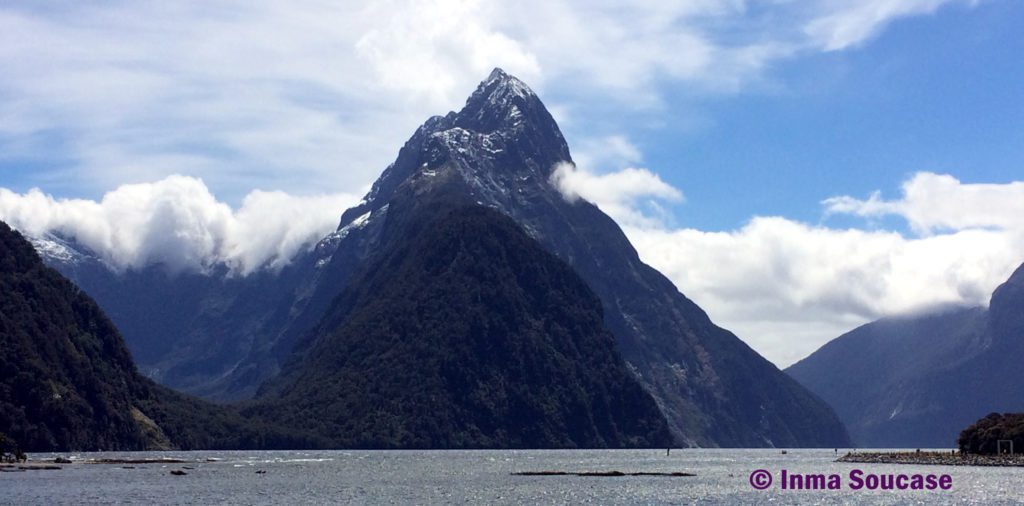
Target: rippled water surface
[(481, 477)]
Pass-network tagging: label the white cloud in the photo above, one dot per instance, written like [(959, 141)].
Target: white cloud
[(629, 196), (787, 287), (607, 153), (428, 47), (293, 96), (179, 223), (851, 22), (775, 276), (311, 95), (937, 202)]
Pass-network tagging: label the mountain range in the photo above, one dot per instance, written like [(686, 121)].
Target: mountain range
[(313, 331), (917, 381)]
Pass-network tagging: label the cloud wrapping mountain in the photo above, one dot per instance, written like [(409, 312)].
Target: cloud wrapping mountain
[(630, 195), (787, 287), (177, 222)]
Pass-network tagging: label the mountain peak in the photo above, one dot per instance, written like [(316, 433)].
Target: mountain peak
[(501, 101), (503, 143), (500, 83), (499, 73)]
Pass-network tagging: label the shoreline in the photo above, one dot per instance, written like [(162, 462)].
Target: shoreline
[(28, 466), (602, 474), (933, 459)]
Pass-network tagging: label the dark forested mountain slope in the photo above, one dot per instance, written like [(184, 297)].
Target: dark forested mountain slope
[(67, 382), (462, 333), (916, 381), (66, 379)]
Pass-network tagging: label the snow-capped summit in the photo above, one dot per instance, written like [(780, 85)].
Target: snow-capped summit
[(499, 88), (502, 143), (506, 82), (502, 100)]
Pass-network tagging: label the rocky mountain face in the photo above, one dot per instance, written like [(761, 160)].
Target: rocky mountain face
[(500, 151), (917, 381), (462, 332), (211, 334), (67, 381)]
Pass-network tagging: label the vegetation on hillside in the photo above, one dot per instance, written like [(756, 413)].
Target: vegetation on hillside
[(67, 382), (66, 379), (464, 333)]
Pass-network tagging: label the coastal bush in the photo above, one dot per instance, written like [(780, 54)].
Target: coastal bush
[(984, 435)]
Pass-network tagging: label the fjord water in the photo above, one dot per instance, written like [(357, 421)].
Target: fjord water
[(481, 477)]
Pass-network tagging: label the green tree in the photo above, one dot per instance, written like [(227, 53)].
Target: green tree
[(984, 435)]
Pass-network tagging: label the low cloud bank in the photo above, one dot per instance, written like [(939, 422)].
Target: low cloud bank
[(787, 287), (178, 222)]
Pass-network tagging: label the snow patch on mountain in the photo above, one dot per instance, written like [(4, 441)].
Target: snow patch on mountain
[(54, 249)]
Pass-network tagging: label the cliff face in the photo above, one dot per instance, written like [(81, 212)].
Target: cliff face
[(216, 340), (868, 375), (1006, 312)]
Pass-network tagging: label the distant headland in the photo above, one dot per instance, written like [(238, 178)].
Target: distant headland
[(995, 440)]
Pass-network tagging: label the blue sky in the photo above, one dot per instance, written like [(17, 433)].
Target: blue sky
[(776, 123), (941, 93)]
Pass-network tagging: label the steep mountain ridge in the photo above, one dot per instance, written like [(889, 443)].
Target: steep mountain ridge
[(1006, 311), (916, 381)]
